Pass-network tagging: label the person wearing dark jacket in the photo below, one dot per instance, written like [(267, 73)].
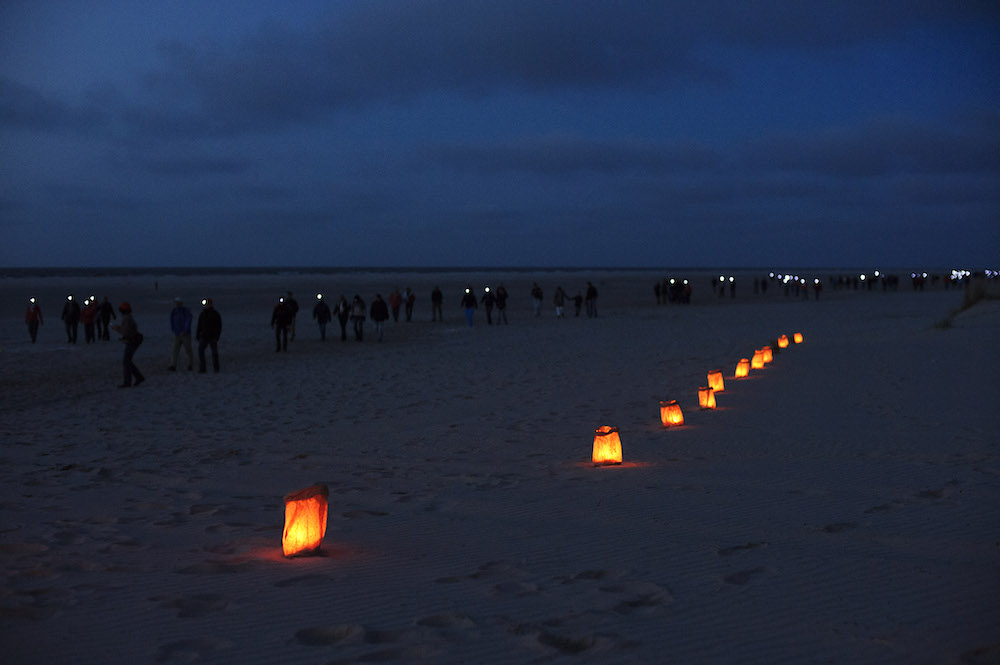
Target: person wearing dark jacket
[(281, 319), (71, 317), (132, 339), (207, 333), (180, 327), (321, 312), (469, 304), (107, 312), (379, 313), (358, 317), (343, 312)]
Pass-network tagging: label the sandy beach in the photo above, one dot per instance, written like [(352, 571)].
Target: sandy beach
[(841, 505)]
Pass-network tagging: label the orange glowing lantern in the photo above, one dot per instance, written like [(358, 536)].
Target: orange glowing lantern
[(768, 355), (715, 381), (742, 369), (607, 445), (757, 362), (670, 414), (706, 397), (305, 521), (783, 342), (798, 338)]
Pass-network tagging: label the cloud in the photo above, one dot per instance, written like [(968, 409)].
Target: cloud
[(24, 107)]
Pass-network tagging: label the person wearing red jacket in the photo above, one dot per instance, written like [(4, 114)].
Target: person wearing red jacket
[(33, 317)]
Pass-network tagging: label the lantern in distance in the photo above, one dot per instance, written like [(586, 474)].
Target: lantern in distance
[(768, 356), (715, 381), (706, 397), (742, 368), (757, 362), (670, 414), (305, 521), (607, 446), (797, 338), (783, 342)]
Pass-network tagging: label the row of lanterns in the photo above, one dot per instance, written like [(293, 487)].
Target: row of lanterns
[(306, 510), (607, 441)]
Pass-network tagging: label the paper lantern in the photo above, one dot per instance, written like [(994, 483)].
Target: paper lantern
[(757, 362), (670, 414), (742, 368), (797, 338), (706, 397), (305, 521), (783, 342), (607, 445), (715, 380), (768, 356)]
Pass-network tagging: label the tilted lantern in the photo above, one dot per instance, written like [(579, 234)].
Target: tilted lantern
[(305, 521), (715, 380), (757, 362), (798, 338), (706, 397), (768, 356), (607, 446), (670, 414), (742, 368), (783, 342)]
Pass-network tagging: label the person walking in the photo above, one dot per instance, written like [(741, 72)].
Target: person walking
[(88, 317), (536, 298), (207, 333), (409, 297), (71, 317), (379, 313), (132, 338), (591, 300), (358, 317), (107, 312), (437, 304), (395, 300), (321, 312), (343, 312), (559, 301), (180, 326), (33, 317), (281, 319), (293, 307), (469, 304), (501, 304)]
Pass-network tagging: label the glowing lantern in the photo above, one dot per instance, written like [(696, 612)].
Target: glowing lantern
[(607, 445), (742, 368), (715, 381), (706, 397), (670, 414), (305, 520), (783, 342), (757, 362), (768, 355), (798, 338)]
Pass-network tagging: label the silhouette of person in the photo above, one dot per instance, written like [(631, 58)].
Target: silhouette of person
[(293, 306), (321, 312), (591, 300), (358, 317), (489, 300), (559, 301), (502, 304), (107, 313), (343, 311), (536, 298), (470, 304), (132, 338), (395, 300), (207, 333), (437, 300), (409, 297), (379, 313), (281, 319), (180, 326), (71, 317), (33, 317)]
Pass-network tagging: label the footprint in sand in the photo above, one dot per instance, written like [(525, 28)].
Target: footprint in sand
[(189, 651), (194, 606), (839, 527), (735, 549), (742, 577)]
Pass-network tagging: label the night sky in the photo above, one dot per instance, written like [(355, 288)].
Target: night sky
[(500, 133)]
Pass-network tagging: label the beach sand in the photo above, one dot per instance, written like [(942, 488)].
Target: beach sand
[(841, 505)]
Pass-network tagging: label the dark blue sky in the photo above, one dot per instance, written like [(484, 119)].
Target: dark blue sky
[(503, 133)]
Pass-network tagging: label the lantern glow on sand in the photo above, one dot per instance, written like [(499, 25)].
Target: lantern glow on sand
[(607, 446), (757, 362), (305, 521), (797, 338), (706, 397), (670, 414), (783, 342), (715, 381), (768, 356), (742, 368)]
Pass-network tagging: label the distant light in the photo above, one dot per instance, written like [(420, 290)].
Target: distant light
[(862, 277), (281, 300), (924, 275), (877, 273), (771, 275), (487, 289), (816, 281), (468, 290), (204, 302), (685, 281), (672, 280), (31, 300), (69, 297), (722, 278), (319, 296), (731, 279)]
